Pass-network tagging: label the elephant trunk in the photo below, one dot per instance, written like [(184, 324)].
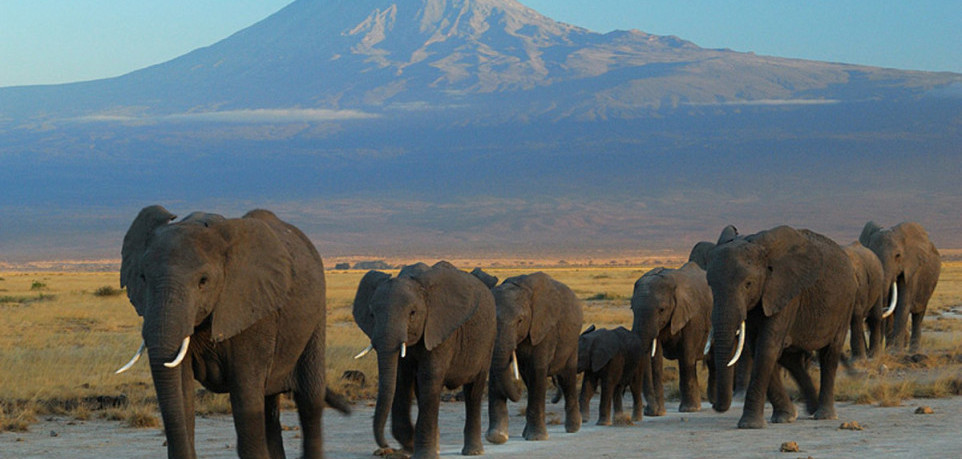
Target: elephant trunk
[(168, 383), (387, 363), (502, 381), (723, 344)]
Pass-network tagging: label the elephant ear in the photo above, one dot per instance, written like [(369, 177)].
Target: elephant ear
[(868, 230), (699, 253), (135, 243), (728, 234), (257, 276), (793, 266), (363, 315), (451, 297), (686, 297), (603, 348), (546, 299)]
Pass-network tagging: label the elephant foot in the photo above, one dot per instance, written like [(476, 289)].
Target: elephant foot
[(784, 417), (825, 413), (636, 415), (496, 437), (390, 452), (604, 422), (472, 450), (573, 424), (535, 434), (751, 422), (654, 411), (689, 407), (426, 455)]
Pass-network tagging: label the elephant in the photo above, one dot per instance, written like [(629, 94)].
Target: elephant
[(787, 292), (539, 320), (488, 280), (911, 266), (868, 301), (611, 358), (672, 316), (432, 328), (239, 305)]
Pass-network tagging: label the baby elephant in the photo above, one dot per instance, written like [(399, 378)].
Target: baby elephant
[(611, 358)]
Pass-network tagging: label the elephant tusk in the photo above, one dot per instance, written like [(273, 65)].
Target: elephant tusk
[(654, 346), (180, 355), (364, 352), (514, 365), (711, 335), (741, 345), (134, 359), (892, 302), (404, 349)]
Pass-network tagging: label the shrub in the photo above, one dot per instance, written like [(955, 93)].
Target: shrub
[(107, 291), (37, 285)]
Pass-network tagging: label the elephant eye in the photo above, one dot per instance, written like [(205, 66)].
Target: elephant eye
[(748, 285), (202, 282)]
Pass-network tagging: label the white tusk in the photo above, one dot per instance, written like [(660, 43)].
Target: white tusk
[(134, 359), (366, 350), (654, 346), (180, 355), (404, 349), (741, 344), (892, 302), (514, 365), (711, 334)]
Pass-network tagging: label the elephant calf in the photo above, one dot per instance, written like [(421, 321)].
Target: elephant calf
[(868, 300), (672, 316), (611, 358), (432, 328)]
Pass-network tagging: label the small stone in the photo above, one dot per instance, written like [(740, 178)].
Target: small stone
[(854, 425), (53, 433), (924, 410), (789, 447)]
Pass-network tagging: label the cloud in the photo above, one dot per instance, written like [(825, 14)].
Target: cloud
[(255, 116), (769, 102)]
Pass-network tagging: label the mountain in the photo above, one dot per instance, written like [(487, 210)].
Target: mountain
[(478, 125)]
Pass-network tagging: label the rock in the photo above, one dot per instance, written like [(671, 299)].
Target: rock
[(789, 447), (924, 410), (854, 425)]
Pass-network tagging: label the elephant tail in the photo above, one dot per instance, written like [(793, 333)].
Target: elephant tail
[(337, 401)]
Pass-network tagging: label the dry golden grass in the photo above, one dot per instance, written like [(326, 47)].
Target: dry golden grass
[(60, 344)]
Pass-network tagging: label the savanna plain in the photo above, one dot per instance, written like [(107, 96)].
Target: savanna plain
[(62, 335)]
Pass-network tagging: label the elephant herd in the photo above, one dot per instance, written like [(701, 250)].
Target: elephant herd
[(239, 305)]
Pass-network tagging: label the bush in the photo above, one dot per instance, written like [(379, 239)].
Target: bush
[(107, 291), (37, 285)]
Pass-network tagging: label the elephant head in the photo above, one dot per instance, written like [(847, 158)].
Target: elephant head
[(230, 273), (699, 253), (665, 300), (423, 306), (768, 270), (910, 265), (525, 306), (488, 280)]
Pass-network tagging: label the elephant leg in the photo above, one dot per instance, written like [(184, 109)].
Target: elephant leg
[(710, 365), (587, 392), (567, 382), (763, 365), (656, 398), (797, 365), (401, 427), (875, 333), (607, 391), (688, 385), (247, 405), (637, 405), (426, 441), (783, 410), (187, 381), (857, 340), (272, 421), (743, 372), (497, 418), (473, 396), (916, 339), (534, 427), (309, 398), (828, 358)]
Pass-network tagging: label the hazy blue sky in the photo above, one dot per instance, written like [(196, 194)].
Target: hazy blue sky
[(54, 41)]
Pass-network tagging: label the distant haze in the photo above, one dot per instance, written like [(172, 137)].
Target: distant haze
[(478, 127)]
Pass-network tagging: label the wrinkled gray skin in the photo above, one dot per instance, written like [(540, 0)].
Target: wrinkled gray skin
[(911, 261), (539, 320), (447, 318), (795, 291), (868, 301), (611, 359), (672, 306), (250, 294)]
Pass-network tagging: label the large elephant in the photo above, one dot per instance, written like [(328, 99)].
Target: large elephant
[(539, 320), (432, 328), (239, 305), (868, 301), (610, 358), (788, 292), (911, 266), (672, 316)]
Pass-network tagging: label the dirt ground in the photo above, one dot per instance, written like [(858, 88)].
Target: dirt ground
[(888, 432)]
